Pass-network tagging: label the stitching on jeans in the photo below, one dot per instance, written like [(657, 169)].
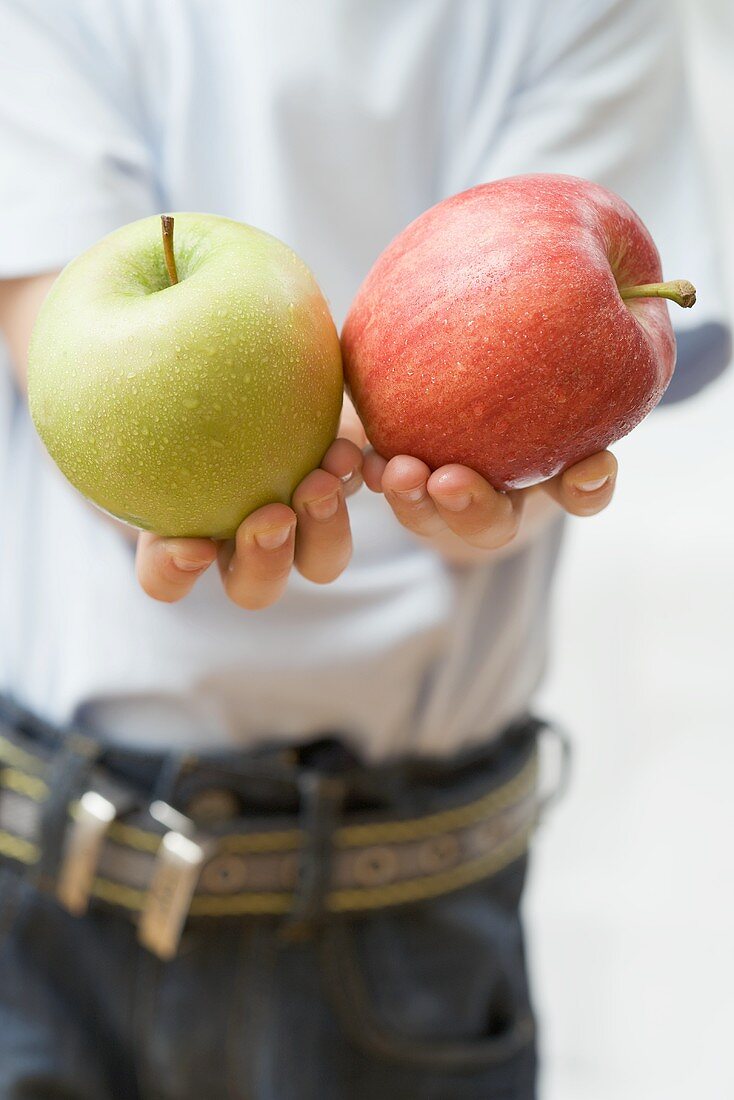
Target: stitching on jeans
[(361, 1024)]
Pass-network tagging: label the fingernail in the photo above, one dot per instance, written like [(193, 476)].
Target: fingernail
[(346, 478), (411, 494), (323, 509), (189, 566), (592, 486), (274, 538), (457, 502)]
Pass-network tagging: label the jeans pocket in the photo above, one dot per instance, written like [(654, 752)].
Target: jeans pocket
[(441, 986)]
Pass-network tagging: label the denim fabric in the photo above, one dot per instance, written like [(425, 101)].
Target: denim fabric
[(427, 1002)]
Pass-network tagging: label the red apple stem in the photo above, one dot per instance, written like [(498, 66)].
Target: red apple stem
[(167, 229), (679, 291)]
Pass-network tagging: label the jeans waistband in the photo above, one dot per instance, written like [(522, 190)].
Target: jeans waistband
[(302, 834), (267, 778)]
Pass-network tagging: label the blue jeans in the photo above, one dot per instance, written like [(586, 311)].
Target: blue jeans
[(425, 1002)]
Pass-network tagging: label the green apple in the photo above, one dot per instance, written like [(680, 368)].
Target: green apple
[(182, 384)]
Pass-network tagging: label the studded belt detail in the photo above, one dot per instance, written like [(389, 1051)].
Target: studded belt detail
[(139, 859)]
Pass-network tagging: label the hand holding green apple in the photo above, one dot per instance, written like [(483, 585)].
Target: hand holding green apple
[(193, 388), (313, 534), (183, 385)]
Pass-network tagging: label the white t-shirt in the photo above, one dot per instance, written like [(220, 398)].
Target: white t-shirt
[(330, 125)]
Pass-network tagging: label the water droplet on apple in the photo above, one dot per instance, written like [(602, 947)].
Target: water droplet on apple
[(190, 402)]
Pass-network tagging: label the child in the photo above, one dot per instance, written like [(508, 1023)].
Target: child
[(344, 780)]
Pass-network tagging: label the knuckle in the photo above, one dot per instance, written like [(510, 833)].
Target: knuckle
[(318, 484)]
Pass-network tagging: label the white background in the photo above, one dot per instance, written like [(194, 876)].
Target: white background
[(631, 906)]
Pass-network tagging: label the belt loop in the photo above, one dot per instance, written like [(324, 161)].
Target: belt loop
[(322, 799), (65, 780), (564, 752), (174, 765)]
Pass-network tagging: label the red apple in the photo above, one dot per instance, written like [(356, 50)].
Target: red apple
[(515, 328)]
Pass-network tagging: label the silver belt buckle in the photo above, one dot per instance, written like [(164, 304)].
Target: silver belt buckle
[(85, 839), (178, 863)]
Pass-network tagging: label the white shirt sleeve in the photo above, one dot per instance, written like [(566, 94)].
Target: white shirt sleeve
[(73, 160), (602, 94)]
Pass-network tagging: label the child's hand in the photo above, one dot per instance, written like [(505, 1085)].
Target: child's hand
[(313, 535), (464, 516)]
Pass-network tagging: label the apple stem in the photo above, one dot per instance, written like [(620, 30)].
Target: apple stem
[(167, 229), (679, 290)]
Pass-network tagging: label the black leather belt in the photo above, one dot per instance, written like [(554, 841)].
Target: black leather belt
[(161, 867)]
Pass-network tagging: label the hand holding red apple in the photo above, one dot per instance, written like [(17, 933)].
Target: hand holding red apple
[(465, 516), (516, 328)]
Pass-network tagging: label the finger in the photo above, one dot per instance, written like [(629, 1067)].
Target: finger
[(323, 539), (256, 566), (404, 485), (587, 487), (168, 568), (474, 511), (344, 460), (373, 469)]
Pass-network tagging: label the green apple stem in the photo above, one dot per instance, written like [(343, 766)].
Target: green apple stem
[(679, 291), (167, 229)]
